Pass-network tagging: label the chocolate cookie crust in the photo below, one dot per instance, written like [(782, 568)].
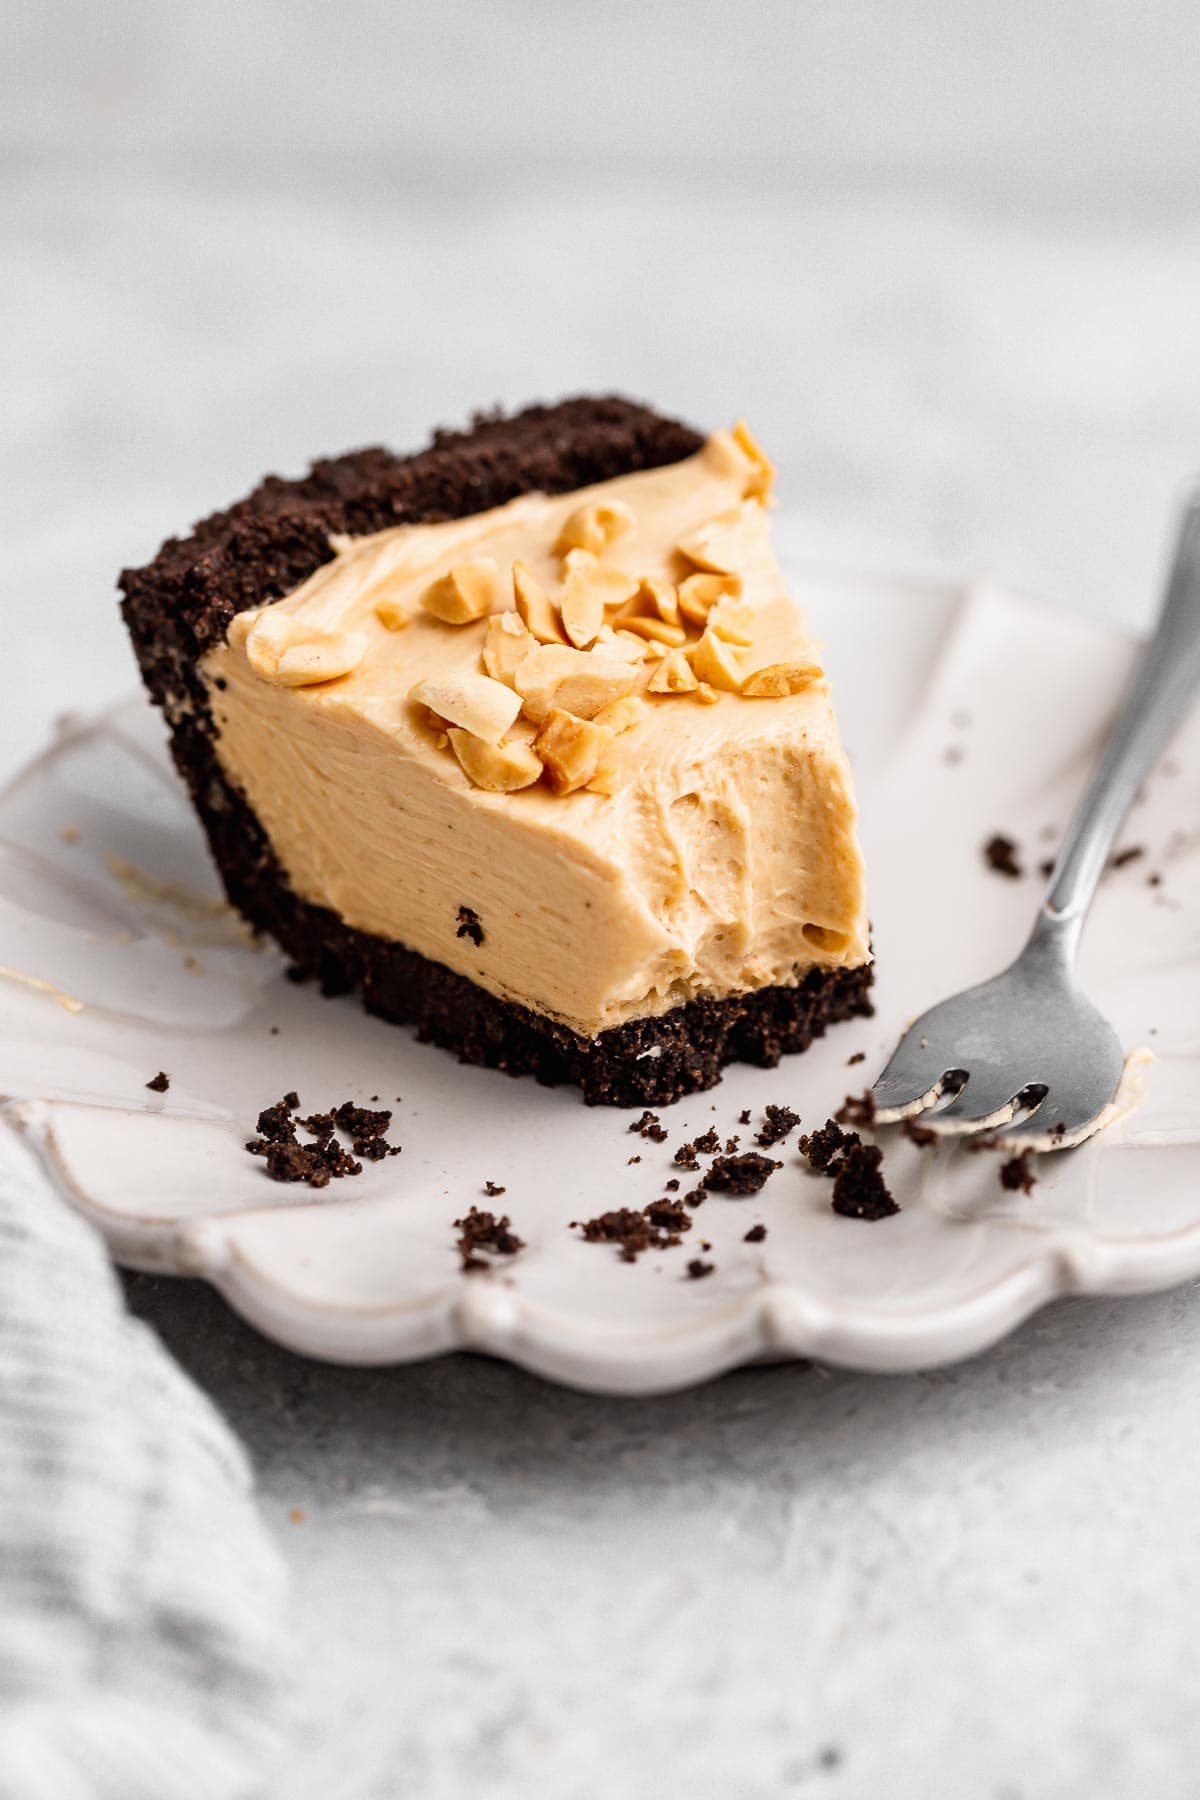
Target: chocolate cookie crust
[(180, 605)]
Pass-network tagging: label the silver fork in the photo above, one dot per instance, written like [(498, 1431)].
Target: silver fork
[(1029, 1041)]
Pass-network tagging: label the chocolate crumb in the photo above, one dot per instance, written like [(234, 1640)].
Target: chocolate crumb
[(738, 1175), (631, 1231), (744, 1117), (492, 1189), (755, 1235), (484, 1231), (1046, 868), (732, 1143), (275, 1123), (857, 1109), (668, 1215), (695, 1196), (650, 1126), (324, 1160), (1017, 1172), (709, 1143), (160, 1083), (859, 1056), (920, 1135), (1000, 855), (697, 1269), (673, 1185), (469, 925), (632, 1160), (274, 1031), (859, 1190), (322, 1125), (360, 1121), (820, 1148), (1128, 855), (779, 1121), (685, 1157), (1154, 880)]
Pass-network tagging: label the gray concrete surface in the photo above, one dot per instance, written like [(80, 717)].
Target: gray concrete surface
[(947, 260)]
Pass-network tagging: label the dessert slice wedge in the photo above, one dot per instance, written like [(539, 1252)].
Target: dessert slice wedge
[(522, 738)]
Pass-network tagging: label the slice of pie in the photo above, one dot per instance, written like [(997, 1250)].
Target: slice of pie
[(522, 738)]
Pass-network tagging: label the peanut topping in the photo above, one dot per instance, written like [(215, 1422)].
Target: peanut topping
[(623, 644), (570, 750), (576, 681), (506, 642), (762, 478), (594, 526), (780, 679), (656, 630), (535, 607), (606, 780), (715, 662), (500, 768), (621, 715), (466, 593), (721, 545), (698, 594), (484, 707), (321, 656), (582, 606), (392, 615), (673, 676), (658, 599), (706, 695), (732, 620)]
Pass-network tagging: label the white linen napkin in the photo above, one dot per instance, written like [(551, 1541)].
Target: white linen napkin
[(141, 1640)]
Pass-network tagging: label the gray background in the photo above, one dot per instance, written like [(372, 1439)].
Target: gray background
[(946, 258)]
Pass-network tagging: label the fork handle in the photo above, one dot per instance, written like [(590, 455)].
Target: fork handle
[(1159, 696)]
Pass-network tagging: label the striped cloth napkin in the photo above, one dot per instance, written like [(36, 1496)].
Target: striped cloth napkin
[(141, 1600)]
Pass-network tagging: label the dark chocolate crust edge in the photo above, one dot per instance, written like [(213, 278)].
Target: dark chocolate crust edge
[(181, 603)]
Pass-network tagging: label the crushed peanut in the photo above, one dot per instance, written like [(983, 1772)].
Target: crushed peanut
[(622, 644), (657, 631), (621, 715), (582, 606), (673, 675), (571, 750), (500, 768), (535, 608), (706, 695), (576, 681), (392, 615), (467, 592), (762, 479), (606, 780), (698, 594), (659, 599), (324, 656), (594, 526), (723, 544), (715, 662), (484, 707), (506, 641), (732, 620), (780, 679)]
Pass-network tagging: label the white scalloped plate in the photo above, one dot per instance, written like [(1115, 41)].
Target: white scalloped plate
[(967, 711)]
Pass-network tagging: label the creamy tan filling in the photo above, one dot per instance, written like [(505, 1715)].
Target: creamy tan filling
[(725, 860)]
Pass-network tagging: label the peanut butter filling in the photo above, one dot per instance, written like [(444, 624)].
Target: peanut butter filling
[(595, 718)]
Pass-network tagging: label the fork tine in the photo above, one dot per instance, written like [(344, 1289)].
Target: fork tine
[(988, 1099), (910, 1081)]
